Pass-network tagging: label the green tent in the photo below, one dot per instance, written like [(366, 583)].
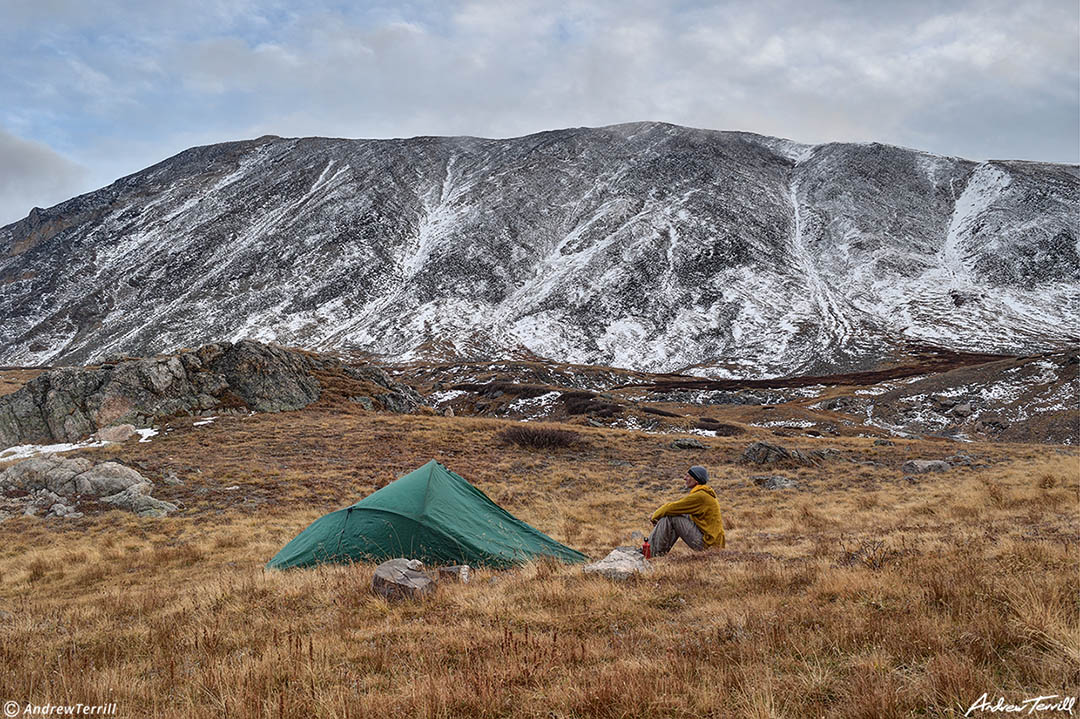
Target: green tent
[(430, 514)]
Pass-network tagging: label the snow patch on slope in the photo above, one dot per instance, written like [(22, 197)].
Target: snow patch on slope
[(983, 188)]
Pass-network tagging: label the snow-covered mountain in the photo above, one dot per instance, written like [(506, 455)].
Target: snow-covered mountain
[(644, 245)]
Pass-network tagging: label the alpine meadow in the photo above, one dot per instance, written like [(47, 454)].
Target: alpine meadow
[(501, 358)]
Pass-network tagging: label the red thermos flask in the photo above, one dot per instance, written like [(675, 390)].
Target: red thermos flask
[(646, 549)]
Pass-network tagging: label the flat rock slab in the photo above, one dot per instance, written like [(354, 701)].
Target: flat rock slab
[(922, 466), (688, 443), (766, 481), (621, 564), (402, 579)]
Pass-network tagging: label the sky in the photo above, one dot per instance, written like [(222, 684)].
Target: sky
[(92, 91)]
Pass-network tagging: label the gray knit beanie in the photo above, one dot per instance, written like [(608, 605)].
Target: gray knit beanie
[(699, 473)]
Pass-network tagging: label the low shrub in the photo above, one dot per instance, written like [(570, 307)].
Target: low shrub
[(539, 437), (721, 429), (660, 412), (587, 403)]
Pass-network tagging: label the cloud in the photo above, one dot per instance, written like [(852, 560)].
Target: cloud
[(126, 84), (31, 174)]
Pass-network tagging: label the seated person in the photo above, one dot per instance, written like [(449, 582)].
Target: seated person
[(695, 518)]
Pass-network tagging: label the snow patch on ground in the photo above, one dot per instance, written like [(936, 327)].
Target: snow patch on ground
[(787, 424), (873, 391), (24, 451), (804, 392), (535, 407), (446, 396)]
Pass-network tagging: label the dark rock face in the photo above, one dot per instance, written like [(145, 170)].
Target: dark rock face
[(66, 404), (766, 453), (643, 245)]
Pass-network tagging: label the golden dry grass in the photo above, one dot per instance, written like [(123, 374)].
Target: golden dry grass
[(856, 595), (11, 380)]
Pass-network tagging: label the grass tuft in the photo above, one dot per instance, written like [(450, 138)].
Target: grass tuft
[(539, 437)]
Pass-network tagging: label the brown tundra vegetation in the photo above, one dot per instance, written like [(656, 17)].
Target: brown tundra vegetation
[(856, 594)]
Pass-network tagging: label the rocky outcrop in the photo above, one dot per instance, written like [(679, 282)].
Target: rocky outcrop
[(766, 453), (57, 484), (136, 498), (390, 396), (69, 477), (65, 404)]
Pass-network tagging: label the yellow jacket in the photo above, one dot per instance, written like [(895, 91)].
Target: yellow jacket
[(703, 508)]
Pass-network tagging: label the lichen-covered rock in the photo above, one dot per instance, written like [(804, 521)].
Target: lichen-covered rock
[(922, 466), (398, 398), (136, 498), (64, 510), (52, 472), (269, 378), (54, 485), (401, 400), (107, 478), (687, 443), (68, 477)]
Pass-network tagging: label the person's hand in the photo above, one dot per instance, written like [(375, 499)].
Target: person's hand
[(654, 521)]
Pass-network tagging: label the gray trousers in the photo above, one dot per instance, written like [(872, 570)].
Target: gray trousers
[(672, 528)]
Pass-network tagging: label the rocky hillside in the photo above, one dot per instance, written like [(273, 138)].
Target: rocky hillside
[(647, 245), (960, 397)]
